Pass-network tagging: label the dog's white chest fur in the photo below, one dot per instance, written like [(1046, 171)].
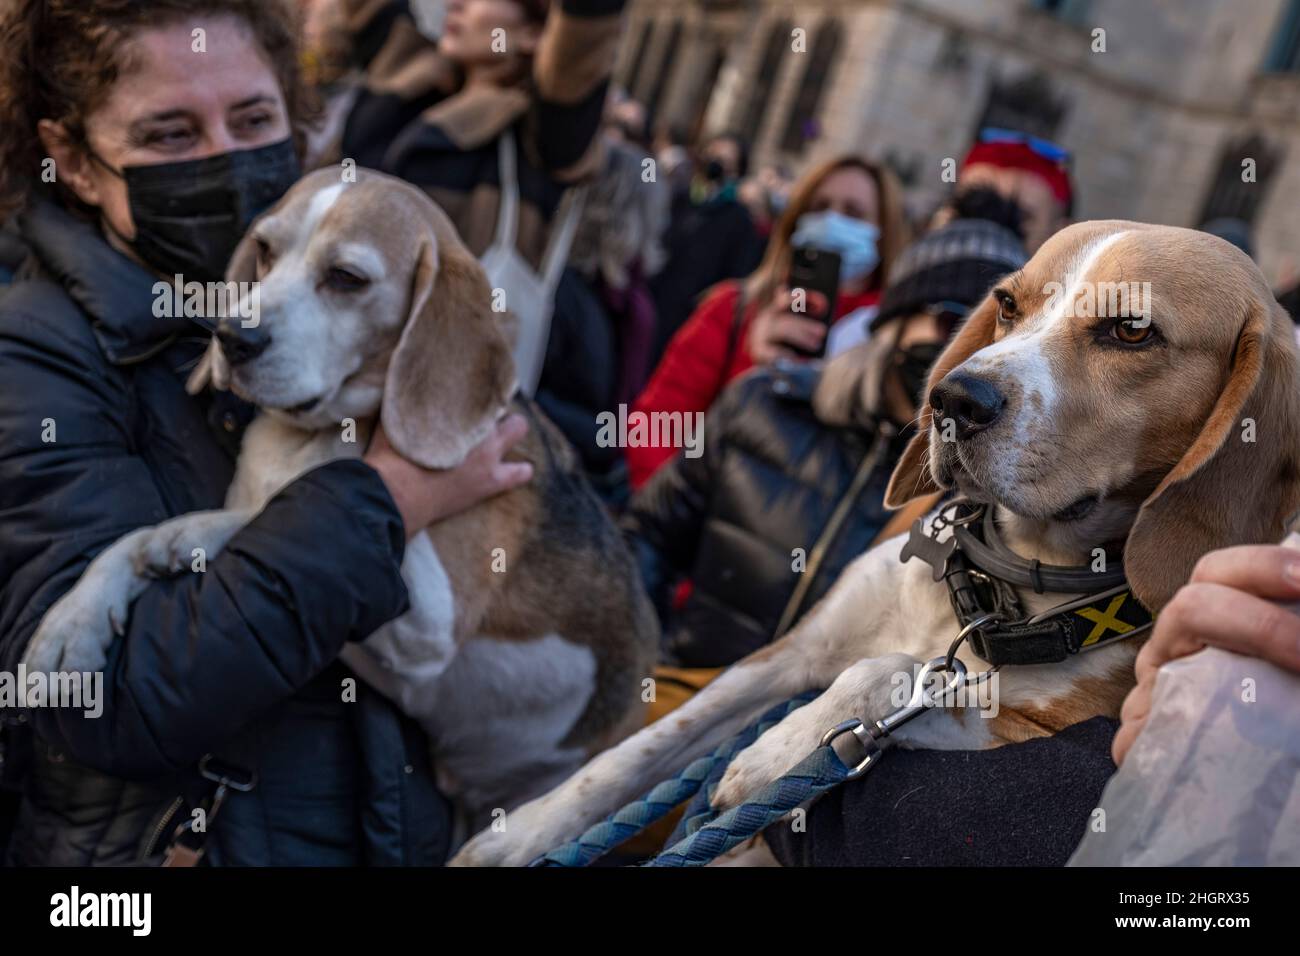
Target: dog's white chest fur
[(274, 453)]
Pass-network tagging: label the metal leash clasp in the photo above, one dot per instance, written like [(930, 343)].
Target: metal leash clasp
[(876, 737)]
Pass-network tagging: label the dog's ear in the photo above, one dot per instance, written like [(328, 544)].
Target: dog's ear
[(212, 368), (1238, 482), (452, 373), (243, 261), (911, 477)]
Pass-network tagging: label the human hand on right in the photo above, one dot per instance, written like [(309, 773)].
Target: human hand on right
[(1235, 600)]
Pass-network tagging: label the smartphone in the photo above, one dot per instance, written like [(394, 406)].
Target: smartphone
[(815, 270)]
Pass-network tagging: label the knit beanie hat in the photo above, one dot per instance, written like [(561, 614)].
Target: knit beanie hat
[(957, 263), (1022, 157)]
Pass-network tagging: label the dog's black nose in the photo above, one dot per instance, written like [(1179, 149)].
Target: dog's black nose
[(972, 403), (241, 344)]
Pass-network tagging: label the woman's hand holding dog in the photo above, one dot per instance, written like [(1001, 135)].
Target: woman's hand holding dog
[(425, 497), (1234, 600)]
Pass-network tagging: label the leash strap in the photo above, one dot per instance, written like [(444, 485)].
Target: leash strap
[(634, 817), (820, 771), (826, 538), (187, 843)]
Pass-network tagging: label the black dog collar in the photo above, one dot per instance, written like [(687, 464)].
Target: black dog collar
[(982, 574)]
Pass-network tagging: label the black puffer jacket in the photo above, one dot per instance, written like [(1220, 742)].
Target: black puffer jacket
[(240, 660), (770, 480)]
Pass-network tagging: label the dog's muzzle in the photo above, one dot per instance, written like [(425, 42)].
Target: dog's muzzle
[(971, 403), (241, 344)]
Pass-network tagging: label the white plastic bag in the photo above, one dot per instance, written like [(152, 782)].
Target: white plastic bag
[(1214, 777)]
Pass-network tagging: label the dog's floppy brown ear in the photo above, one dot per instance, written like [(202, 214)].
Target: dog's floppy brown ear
[(212, 368), (1227, 490), (911, 477), (451, 374)]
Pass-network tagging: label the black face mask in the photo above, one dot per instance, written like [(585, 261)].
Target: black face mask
[(189, 216), (714, 171), (913, 366)]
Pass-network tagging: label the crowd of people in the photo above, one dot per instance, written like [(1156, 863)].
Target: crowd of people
[(676, 296)]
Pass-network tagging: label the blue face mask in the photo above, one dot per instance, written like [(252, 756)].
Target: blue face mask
[(853, 240)]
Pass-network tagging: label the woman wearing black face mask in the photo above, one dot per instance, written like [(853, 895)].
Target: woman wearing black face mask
[(806, 451), (167, 125)]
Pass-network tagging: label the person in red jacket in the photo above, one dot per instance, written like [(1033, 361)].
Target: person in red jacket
[(848, 205)]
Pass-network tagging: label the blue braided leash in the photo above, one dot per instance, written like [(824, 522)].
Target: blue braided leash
[(631, 819), (820, 771), (702, 839)]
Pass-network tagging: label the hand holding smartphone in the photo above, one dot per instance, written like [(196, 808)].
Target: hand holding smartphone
[(814, 270)]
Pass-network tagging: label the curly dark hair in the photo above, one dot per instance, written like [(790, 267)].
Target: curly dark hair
[(59, 59)]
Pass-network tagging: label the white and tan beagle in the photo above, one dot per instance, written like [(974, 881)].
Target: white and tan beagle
[(528, 635), (1174, 431)]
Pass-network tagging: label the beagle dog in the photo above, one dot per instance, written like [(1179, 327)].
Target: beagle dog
[(1174, 431), (529, 634)]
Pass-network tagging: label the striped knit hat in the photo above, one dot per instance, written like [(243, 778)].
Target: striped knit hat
[(957, 263)]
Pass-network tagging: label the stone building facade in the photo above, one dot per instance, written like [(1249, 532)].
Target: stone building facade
[(1175, 110)]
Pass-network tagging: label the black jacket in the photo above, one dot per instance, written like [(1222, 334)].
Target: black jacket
[(239, 660), (1024, 804), (580, 375), (768, 482), (707, 243)]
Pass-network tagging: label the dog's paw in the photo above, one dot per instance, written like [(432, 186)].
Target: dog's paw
[(768, 758), (522, 836), (486, 849), (76, 632), (746, 777), (865, 688), (162, 551)]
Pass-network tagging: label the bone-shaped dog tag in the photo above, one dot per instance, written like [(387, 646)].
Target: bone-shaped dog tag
[(932, 552)]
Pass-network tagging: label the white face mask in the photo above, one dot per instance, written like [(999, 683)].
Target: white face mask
[(853, 240)]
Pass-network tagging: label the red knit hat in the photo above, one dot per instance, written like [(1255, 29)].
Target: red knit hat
[(1019, 156)]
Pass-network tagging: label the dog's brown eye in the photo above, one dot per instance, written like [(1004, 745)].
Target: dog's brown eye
[(341, 280), (1131, 331), (265, 257), (1006, 307)]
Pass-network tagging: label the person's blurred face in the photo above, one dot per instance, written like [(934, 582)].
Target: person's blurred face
[(922, 327), (726, 153), (175, 104), (469, 35), (1041, 215), (850, 192), (626, 120)]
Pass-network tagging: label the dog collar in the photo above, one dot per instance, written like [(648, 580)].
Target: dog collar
[(982, 575)]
